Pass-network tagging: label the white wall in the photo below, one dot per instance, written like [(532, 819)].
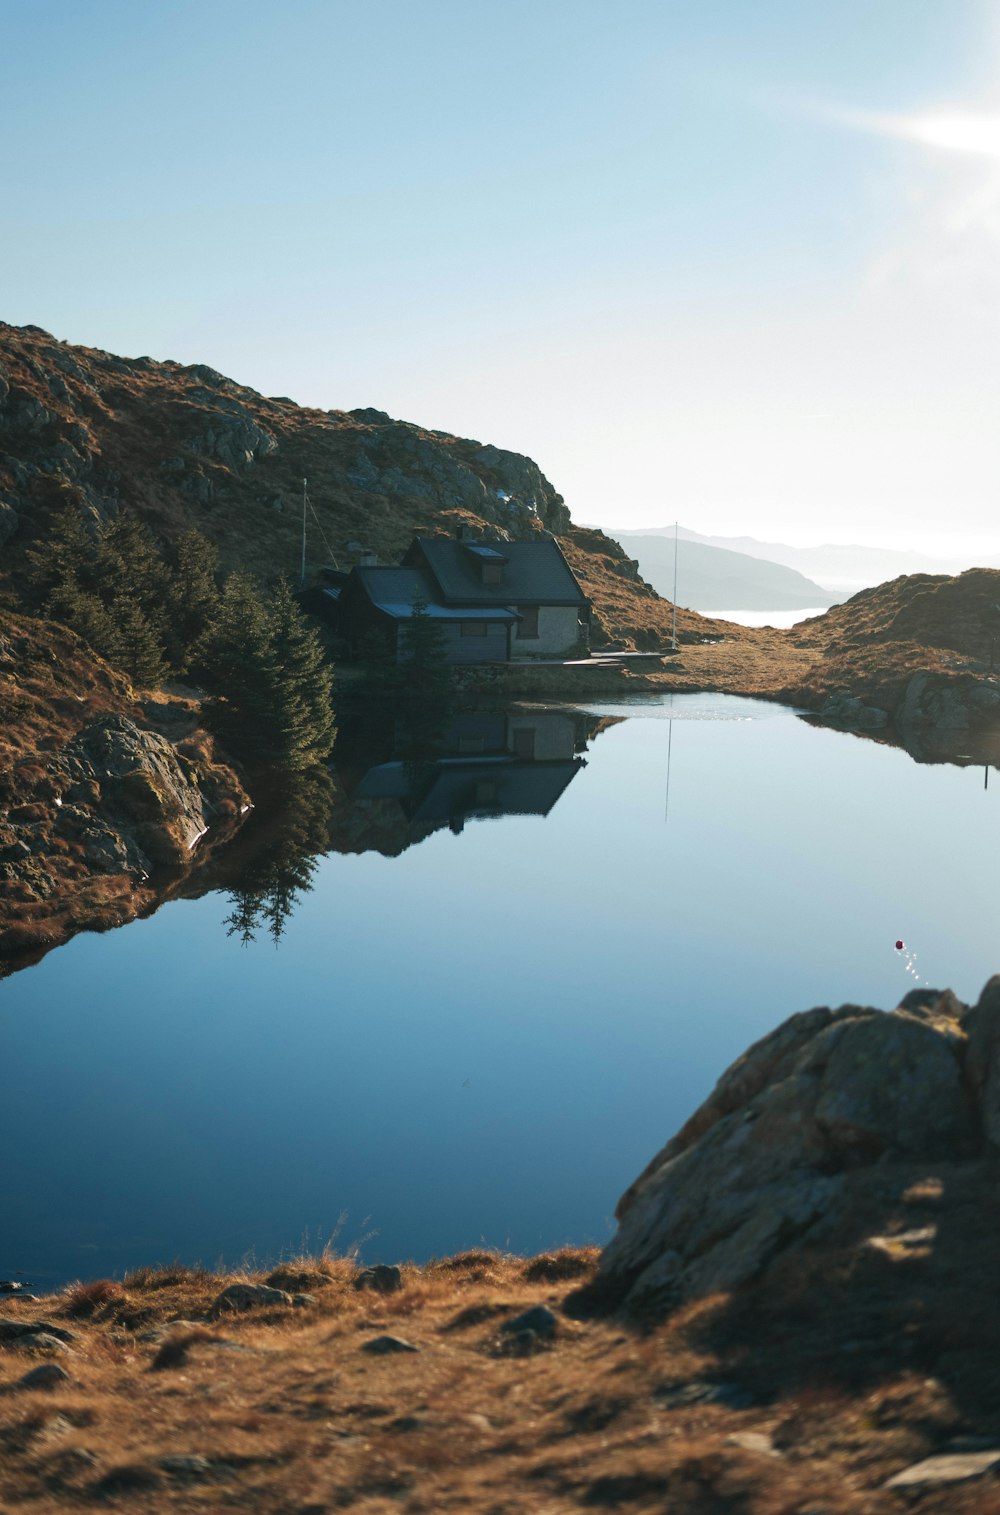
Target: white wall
[(558, 633)]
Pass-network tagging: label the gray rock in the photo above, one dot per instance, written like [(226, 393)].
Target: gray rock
[(383, 1346), (234, 438), (186, 1467), (383, 1278), (949, 1467), (539, 1319), (982, 1061), (753, 1441), (675, 1396), (152, 809), (199, 487), (762, 1162), (48, 1375), (304, 1301), (521, 1344), (248, 1297), (41, 1341), (169, 1328), (18, 1330)]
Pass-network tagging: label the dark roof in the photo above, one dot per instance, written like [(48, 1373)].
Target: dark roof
[(535, 573), (479, 550), (473, 787), (395, 591)]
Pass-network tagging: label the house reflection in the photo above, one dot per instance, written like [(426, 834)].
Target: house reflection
[(481, 765)]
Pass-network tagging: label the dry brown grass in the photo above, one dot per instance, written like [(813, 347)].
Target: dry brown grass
[(284, 1413)]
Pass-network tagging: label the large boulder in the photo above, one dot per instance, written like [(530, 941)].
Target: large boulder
[(150, 797), (764, 1161)]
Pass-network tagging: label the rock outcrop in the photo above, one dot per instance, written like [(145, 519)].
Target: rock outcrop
[(98, 790), (770, 1158)]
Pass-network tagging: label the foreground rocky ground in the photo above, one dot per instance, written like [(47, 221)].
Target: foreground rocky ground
[(838, 1357)]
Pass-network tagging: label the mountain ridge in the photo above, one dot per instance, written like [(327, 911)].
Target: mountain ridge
[(714, 579)]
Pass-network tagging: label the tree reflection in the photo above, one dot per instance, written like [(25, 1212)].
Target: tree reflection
[(280, 868)]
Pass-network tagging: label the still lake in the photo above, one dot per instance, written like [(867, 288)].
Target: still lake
[(483, 1039)]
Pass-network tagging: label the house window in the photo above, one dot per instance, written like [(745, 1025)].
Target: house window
[(524, 742), (474, 628), (527, 626), (492, 573)]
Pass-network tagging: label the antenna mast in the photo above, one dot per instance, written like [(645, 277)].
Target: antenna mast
[(673, 630), (302, 578)]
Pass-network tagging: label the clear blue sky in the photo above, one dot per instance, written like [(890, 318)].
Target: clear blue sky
[(732, 261)]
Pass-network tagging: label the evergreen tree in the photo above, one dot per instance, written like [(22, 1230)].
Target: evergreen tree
[(130, 563), (191, 591), (138, 644), (64, 554), (235, 656), (303, 713), (87, 614)]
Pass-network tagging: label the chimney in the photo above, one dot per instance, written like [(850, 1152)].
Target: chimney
[(368, 559), (465, 533)]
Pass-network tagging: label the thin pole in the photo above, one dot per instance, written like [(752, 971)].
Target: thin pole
[(673, 631), (670, 745), (302, 579)]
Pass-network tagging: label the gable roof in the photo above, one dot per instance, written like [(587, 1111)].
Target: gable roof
[(534, 573), (395, 591)]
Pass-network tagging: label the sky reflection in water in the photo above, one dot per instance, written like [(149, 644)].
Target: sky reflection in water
[(483, 1039)]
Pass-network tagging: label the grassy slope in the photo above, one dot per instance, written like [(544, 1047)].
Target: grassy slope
[(852, 1363)]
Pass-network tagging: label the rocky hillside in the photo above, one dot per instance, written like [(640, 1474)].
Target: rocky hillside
[(923, 650), (185, 446), (99, 789)]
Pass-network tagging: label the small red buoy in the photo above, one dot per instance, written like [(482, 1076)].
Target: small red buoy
[(899, 946)]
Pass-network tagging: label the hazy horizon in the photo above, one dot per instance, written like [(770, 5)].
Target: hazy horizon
[(734, 265)]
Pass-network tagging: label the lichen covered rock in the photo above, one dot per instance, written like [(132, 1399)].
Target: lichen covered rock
[(764, 1161)]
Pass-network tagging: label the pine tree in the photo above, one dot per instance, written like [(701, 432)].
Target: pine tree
[(191, 592), (129, 562), (303, 712), (235, 657), (87, 614), (138, 645), (283, 869), (66, 553)]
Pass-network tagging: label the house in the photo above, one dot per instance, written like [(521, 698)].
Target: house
[(487, 764), (493, 601)]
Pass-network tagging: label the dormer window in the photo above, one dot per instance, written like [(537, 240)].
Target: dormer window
[(486, 562)]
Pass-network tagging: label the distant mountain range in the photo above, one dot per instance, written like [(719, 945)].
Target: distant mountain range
[(840, 567), (712, 578)]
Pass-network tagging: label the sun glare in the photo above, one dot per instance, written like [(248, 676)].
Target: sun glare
[(954, 132)]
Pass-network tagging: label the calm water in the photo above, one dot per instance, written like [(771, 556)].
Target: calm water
[(484, 1038)]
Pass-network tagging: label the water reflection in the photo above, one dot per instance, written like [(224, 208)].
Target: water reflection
[(398, 774), (398, 785), (480, 1038), (280, 855)]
